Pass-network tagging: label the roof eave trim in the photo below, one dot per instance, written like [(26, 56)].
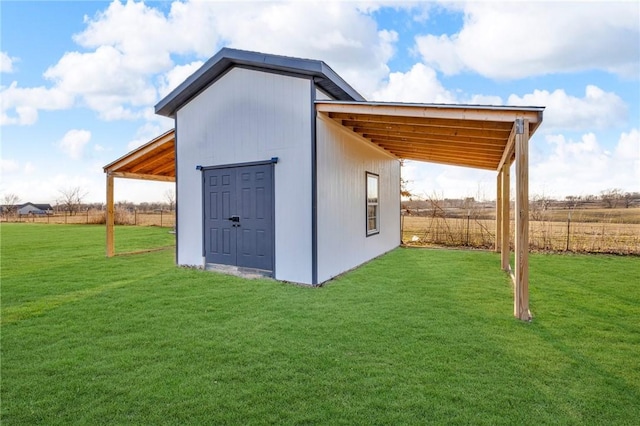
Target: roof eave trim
[(227, 58), (539, 109)]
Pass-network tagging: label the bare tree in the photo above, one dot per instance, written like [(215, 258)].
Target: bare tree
[(71, 198), (629, 198), (573, 201), (170, 196), (611, 197), (538, 206), (10, 204)]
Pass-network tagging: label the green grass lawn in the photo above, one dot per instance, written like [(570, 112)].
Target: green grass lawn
[(416, 336)]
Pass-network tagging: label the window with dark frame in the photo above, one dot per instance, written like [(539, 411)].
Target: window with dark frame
[(373, 204)]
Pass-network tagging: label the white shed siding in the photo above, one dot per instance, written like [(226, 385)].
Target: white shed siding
[(343, 160), (250, 116)]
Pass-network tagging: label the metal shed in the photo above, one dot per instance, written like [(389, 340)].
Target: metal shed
[(320, 145)]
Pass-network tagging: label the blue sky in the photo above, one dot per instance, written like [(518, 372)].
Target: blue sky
[(79, 80)]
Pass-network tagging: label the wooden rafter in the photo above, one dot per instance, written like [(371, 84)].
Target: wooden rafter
[(156, 154), (429, 138), (465, 136), (492, 151), (419, 131)]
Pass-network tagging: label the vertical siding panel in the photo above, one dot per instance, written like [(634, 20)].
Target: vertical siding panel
[(250, 116), (343, 160)]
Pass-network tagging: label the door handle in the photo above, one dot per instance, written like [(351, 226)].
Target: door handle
[(234, 218)]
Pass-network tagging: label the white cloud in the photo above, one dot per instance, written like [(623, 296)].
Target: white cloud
[(174, 77), (25, 103), (596, 110), (429, 180), (568, 167), (102, 80), (142, 40), (629, 148), (420, 84), (6, 62), (506, 40), (8, 165), (339, 33), (73, 143), (479, 99), (147, 38), (146, 133), (43, 187), (584, 166), (127, 61), (29, 168)]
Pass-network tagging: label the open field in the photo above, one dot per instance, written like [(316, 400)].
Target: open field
[(544, 235), (417, 336), (620, 215), (590, 230)]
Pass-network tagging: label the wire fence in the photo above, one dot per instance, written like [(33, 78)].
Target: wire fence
[(544, 235), (569, 236), (163, 218)]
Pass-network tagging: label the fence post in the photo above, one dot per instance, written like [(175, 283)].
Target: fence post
[(160, 218), (65, 217), (87, 215), (468, 214), (135, 216), (568, 230)]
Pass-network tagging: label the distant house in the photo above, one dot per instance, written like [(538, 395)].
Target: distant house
[(31, 208)]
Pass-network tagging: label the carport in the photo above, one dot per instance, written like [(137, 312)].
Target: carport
[(155, 160), (482, 137)]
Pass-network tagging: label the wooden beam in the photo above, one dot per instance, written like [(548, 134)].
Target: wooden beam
[(426, 130), (160, 157), (110, 219), (452, 159), (451, 112), (421, 121), (498, 240), (451, 141), (165, 169), (521, 290), (445, 162), (508, 149), (506, 216), (453, 150), (142, 176)]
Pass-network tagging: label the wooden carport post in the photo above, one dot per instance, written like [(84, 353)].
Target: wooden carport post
[(521, 288), (505, 177), (498, 241), (110, 220)]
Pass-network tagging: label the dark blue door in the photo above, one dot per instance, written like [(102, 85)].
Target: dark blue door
[(239, 216)]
